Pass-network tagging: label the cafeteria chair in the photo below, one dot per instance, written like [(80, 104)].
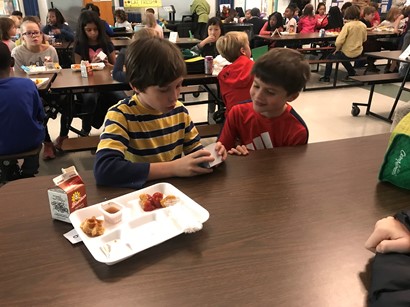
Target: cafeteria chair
[(8, 168)]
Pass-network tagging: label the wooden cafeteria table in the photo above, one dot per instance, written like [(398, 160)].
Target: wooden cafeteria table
[(307, 38), (182, 42), (286, 228)]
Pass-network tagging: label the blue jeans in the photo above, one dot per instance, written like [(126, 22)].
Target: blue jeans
[(340, 55)]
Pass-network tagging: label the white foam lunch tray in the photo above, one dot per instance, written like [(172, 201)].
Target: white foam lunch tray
[(138, 229)]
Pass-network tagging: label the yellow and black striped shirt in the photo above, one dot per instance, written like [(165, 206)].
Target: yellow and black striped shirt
[(140, 136)]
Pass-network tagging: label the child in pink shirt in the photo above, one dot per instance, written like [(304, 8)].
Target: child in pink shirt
[(307, 23)]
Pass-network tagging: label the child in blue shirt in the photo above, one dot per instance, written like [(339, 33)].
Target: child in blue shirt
[(21, 110)]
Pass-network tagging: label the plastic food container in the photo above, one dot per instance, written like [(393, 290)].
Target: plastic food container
[(112, 212)]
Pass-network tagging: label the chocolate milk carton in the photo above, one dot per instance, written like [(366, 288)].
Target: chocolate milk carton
[(68, 195)]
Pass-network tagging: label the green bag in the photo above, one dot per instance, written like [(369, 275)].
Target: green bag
[(396, 165)]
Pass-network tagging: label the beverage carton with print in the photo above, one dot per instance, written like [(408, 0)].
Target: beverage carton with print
[(68, 195)]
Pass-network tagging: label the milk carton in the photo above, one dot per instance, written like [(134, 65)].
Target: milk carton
[(68, 195)]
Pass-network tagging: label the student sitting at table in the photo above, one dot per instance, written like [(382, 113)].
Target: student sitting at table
[(235, 80), (150, 135), (274, 23), (34, 52), (368, 15), (349, 43), (96, 9), (307, 23), (121, 20), (208, 45), (269, 121), (321, 17), (376, 18), (247, 17), (151, 22), (291, 24), (7, 31), (118, 72), (90, 41), (57, 26), (335, 20), (22, 116)]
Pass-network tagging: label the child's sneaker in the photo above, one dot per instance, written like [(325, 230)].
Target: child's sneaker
[(48, 151)]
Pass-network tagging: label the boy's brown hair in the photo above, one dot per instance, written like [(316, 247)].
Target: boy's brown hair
[(153, 61), (368, 10), (352, 13), (229, 45), (283, 67)]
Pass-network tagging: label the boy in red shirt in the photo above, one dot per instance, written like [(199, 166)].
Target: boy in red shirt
[(235, 80), (269, 121)]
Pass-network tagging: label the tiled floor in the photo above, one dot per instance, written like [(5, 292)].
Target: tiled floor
[(326, 112)]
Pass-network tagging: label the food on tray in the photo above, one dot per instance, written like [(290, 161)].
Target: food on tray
[(37, 81), (94, 66), (92, 227), (156, 201)]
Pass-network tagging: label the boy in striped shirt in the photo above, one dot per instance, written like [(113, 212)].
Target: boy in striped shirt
[(150, 135)]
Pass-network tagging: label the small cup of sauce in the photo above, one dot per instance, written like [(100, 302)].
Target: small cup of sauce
[(112, 212)]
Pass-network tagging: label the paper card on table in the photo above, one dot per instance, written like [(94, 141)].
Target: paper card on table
[(218, 158), (72, 236), (405, 54), (173, 36)]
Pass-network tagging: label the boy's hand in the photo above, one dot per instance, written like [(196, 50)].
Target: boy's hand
[(389, 235), (240, 150), (221, 150), (189, 165)]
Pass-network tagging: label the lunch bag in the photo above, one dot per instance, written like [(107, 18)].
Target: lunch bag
[(195, 64), (396, 165)]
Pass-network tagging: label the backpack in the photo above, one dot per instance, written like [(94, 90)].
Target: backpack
[(396, 165)]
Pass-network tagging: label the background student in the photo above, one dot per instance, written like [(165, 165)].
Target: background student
[(349, 43), (321, 17), (121, 20), (208, 45), (7, 31), (151, 22), (307, 23), (151, 135), (34, 52), (21, 127), (290, 23), (235, 80), (269, 121), (335, 20), (200, 9), (90, 41), (275, 22), (96, 9), (118, 72), (57, 26)]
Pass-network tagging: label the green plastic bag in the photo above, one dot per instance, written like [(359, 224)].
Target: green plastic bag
[(396, 165)]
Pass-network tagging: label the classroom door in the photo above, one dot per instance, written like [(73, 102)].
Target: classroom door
[(105, 7)]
